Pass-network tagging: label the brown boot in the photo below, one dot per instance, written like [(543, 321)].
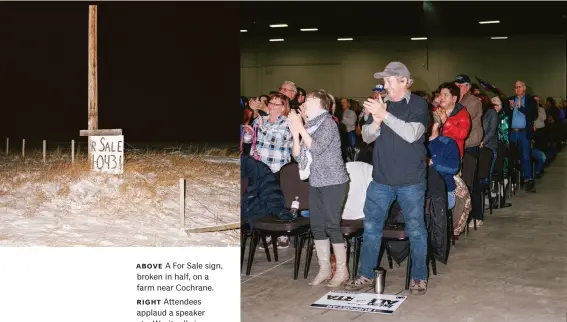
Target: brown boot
[(341, 274), (323, 248)]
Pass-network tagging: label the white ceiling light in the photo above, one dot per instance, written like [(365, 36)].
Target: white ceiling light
[(243, 30), (277, 39), (488, 22), (281, 25), (419, 38), (495, 38), (309, 29), (344, 39)]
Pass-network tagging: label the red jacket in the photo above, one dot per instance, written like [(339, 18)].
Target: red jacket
[(458, 126)]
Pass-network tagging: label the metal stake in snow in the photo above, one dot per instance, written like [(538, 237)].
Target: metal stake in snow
[(7, 145), (182, 202), (72, 151), (44, 148), (23, 148)]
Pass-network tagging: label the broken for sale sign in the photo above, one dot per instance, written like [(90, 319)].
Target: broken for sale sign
[(360, 302)]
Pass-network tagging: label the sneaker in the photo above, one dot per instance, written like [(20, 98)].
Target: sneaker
[(359, 283), (283, 242), (530, 186), (478, 223), (418, 287), (268, 240)]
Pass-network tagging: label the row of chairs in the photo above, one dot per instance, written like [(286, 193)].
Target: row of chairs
[(299, 229), (498, 179)]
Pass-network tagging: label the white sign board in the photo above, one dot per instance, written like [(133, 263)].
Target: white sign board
[(360, 302), (107, 153)]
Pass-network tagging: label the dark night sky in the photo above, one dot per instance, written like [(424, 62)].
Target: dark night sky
[(167, 71)]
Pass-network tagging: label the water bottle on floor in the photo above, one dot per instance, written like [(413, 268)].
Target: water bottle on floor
[(295, 207), (380, 280)]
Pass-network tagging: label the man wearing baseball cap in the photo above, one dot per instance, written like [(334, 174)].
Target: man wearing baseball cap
[(398, 125), (472, 143), (379, 91)]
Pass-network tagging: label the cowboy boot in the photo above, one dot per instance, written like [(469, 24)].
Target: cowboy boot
[(341, 273), (323, 249)]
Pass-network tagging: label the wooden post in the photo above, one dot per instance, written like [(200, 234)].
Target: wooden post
[(93, 129), (93, 71), (23, 148), (72, 151), (7, 145), (44, 148), (182, 202)]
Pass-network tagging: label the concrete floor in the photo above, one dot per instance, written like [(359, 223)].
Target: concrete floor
[(514, 268)]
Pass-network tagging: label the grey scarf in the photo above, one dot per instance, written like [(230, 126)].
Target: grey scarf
[(305, 157)]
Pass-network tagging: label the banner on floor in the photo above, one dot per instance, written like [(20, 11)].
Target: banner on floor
[(360, 302)]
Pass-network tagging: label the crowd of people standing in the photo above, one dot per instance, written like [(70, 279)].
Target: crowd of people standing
[(403, 134)]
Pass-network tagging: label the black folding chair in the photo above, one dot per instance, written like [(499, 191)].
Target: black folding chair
[(245, 231), (514, 168), (291, 186), (484, 165), (468, 174)]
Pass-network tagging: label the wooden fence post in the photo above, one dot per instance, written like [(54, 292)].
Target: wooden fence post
[(182, 202)]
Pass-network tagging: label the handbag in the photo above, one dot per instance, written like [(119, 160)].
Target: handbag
[(255, 153)]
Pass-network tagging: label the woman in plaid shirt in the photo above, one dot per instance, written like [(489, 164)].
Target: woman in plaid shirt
[(273, 137), (273, 140)]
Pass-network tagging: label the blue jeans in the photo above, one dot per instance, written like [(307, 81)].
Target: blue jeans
[(525, 147), (451, 196), (540, 160), (352, 138), (553, 149), (379, 198)]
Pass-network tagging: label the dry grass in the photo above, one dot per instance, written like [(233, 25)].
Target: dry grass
[(148, 177), (168, 168)]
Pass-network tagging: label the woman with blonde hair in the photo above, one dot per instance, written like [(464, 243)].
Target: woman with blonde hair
[(317, 148), (270, 135)]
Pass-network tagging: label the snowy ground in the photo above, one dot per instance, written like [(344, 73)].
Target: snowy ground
[(59, 204)]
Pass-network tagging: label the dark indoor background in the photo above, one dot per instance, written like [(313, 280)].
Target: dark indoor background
[(166, 71)]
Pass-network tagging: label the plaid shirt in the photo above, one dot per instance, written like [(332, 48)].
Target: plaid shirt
[(274, 142)]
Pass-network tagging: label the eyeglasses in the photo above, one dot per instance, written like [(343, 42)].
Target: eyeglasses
[(275, 104), (286, 89)]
